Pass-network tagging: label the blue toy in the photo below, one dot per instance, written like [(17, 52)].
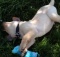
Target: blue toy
[(28, 53)]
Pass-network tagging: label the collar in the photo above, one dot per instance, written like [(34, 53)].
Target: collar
[(17, 31)]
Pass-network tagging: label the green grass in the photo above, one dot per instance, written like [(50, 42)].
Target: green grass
[(46, 46)]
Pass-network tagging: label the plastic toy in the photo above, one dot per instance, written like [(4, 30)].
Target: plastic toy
[(28, 53)]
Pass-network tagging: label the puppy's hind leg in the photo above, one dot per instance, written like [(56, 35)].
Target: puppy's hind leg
[(53, 15)]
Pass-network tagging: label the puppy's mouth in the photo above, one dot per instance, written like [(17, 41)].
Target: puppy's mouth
[(9, 38)]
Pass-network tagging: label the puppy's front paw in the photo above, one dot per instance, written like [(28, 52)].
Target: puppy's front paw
[(24, 52)]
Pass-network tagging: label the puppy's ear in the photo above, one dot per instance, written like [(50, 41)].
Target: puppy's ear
[(15, 19)]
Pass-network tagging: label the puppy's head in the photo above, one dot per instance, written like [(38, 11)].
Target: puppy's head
[(3, 33), (4, 29)]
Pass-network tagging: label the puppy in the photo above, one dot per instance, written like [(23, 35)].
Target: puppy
[(38, 26)]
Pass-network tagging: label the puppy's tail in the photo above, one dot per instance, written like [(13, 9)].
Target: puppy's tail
[(51, 3)]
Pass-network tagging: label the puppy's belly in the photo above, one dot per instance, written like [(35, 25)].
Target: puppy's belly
[(43, 29), (42, 24)]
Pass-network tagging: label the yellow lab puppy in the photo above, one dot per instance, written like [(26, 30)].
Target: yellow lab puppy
[(38, 26)]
